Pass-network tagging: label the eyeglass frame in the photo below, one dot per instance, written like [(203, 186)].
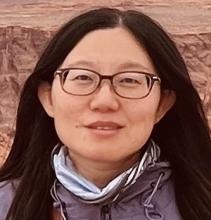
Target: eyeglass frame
[(61, 72)]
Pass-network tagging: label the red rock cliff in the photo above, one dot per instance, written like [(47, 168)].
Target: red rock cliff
[(26, 27)]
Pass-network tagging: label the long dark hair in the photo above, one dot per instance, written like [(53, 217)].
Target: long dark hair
[(183, 134)]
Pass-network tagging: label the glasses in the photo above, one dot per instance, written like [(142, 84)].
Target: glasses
[(127, 84)]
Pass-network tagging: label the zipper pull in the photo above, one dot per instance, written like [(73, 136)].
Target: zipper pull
[(105, 213)]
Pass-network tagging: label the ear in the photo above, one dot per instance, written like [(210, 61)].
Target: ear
[(44, 95), (167, 100)]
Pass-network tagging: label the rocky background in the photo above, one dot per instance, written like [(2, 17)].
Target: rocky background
[(27, 25)]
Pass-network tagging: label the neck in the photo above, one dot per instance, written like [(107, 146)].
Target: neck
[(101, 173)]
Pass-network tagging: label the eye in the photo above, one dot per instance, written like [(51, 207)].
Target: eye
[(129, 81), (82, 78)]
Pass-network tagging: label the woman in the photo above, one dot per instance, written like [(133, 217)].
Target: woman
[(109, 126)]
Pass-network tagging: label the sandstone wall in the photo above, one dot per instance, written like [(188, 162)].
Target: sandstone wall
[(23, 35)]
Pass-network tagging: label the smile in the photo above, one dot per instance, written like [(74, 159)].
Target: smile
[(104, 128), (104, 125)]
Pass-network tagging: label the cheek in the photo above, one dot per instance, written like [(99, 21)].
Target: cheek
[(143, 112), (141, 119), (66, 106), (67, 115)]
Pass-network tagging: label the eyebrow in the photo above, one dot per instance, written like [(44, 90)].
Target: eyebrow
[(81, 62), (132, 64), (126, 65)]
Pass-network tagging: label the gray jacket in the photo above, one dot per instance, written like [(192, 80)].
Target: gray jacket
[(150, 198)]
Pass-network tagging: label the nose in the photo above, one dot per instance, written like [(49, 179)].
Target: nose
[(104, 99)]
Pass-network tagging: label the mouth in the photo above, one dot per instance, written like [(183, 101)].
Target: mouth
[(104, 126)]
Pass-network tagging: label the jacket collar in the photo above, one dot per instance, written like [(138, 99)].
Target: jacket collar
[(145, 184)]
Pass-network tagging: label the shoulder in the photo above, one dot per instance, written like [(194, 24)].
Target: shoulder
[(7, 192)]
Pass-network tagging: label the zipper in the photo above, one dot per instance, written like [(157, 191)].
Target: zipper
[(105, 213)]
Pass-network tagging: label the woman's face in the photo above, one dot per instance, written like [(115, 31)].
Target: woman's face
[(103, 126)]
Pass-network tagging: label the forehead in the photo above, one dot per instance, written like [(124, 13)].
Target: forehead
[(109, 48)]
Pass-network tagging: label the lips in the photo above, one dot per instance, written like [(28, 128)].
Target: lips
[(104, 125)]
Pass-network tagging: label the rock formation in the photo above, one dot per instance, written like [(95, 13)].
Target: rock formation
[(27, 25)]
